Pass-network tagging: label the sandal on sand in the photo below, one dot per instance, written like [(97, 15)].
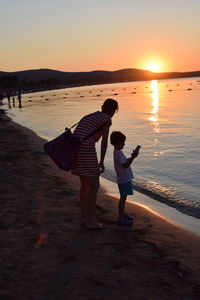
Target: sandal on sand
[(125, 222), (126, 216)]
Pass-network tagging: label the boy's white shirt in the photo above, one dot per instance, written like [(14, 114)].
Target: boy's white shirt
[(123, 174)]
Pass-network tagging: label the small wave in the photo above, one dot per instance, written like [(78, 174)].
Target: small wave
[(163, 194)]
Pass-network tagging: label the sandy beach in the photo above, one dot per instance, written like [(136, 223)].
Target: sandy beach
[(45, 254)]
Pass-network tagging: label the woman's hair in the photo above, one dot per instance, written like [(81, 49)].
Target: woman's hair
[(110, 106), (116, 137)]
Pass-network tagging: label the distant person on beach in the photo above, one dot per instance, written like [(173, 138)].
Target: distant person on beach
[(13, 98), (86, 164), (124, 174), (19, 96), (8, 97)]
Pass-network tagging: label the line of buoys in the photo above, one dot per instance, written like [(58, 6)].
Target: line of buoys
[(115, 94)]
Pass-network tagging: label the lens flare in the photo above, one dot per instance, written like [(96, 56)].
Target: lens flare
[(40, 240)]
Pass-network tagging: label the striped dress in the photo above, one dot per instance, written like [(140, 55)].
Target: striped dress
[(86, 162)]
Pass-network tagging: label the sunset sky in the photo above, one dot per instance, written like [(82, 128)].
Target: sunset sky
[(85, 35)]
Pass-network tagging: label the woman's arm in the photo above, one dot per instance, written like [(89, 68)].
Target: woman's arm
[(104, 144)]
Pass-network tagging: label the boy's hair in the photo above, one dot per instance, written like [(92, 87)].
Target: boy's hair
[(116, 137)]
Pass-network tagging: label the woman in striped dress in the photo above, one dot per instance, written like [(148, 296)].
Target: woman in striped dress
[(86, 164)]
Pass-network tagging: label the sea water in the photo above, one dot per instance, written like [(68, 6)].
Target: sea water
[(162, 116)]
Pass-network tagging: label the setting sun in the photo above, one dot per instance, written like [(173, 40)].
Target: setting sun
[(154, 66)]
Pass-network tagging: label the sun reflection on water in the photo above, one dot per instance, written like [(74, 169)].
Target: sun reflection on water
[(154, 112), (155, 106)]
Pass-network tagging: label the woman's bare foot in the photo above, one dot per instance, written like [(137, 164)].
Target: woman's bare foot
[(93, 226)]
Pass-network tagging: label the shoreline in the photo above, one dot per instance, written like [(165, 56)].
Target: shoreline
[(164, 211), (171, 214), (173, 193), (39, 198)]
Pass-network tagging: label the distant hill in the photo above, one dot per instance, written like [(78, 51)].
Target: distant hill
[(43, 74), (48, 77)]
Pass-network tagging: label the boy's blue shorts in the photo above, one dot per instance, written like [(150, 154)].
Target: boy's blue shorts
[(125, 189)]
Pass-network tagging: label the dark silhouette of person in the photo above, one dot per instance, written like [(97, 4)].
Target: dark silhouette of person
[(87, 166), (13, 99), (19, 96), (8, 97)]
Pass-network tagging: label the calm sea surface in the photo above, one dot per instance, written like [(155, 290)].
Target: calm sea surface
[(162, 116)]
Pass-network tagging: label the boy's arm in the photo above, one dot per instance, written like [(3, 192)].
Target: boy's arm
[(130, 160)]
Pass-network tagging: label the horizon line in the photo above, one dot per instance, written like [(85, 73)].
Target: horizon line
[(98, 70)]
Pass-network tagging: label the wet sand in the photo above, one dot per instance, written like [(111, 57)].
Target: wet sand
[(153, 260)]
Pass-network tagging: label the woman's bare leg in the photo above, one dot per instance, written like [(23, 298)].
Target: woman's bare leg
[(94, 187), (88, 196), (84, 199)]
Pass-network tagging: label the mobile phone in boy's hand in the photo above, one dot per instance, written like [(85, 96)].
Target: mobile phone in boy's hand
[(136, 151)]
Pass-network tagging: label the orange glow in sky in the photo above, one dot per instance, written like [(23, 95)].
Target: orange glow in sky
[(87, 35)]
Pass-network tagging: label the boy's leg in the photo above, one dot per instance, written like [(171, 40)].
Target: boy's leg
[(121, 207)]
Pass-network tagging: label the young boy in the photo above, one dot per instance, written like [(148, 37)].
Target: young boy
[(124, 174)]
